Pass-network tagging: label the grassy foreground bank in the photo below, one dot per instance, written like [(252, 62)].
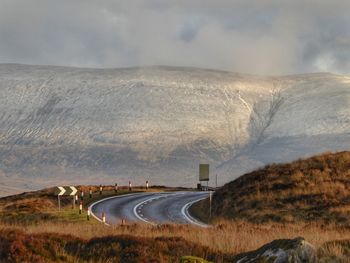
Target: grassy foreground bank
[(307, 198)]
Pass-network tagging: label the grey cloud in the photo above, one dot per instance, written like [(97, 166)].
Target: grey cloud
[(264, 37)]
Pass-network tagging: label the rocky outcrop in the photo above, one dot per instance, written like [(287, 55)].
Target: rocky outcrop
[(281, 251)]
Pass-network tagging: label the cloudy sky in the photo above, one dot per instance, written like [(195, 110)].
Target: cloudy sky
[(262, 36)]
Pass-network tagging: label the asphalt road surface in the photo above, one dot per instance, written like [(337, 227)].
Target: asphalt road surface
[(152, 208)]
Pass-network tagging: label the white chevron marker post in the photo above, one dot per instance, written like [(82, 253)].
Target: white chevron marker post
[(73, 190), (65, 190), (59, 191)]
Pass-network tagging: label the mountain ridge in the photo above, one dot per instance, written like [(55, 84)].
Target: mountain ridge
[(66, 125)]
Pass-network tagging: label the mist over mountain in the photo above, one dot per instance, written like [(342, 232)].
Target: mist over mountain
[(61, 125)]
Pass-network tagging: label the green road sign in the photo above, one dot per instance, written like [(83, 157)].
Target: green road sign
[(204, 172)]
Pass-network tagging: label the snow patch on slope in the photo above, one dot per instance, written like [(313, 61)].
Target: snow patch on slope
[(100, 126)]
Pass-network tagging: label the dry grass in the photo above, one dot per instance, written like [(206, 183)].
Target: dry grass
[(335, 251), (308, 198), (19, 246), (231, 237), (42, 205), (315, 189)]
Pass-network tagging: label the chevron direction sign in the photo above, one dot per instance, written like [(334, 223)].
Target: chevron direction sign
[(65, 190)]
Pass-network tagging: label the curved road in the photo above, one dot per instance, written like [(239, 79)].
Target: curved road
[(152, 208)]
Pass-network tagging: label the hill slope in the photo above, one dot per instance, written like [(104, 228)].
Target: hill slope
[(68, 125), (314, 189)]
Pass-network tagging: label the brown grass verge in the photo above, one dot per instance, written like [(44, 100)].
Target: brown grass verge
[(307, 190), (229, 237)]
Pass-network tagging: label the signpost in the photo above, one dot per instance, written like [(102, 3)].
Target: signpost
[(65, 190), (210, 201), (59, 191), (204, 176), (204, 173)]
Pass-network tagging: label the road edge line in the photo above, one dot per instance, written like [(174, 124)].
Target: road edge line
[(191, 219), (139, 217), (145, 201), (102, 200)]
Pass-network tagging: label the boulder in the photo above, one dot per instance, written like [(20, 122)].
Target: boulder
[(281, 251)]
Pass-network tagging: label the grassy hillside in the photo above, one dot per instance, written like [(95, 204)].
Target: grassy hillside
[(314, 189), (18, 246), (69, 241), (42, 206), (33, 230)]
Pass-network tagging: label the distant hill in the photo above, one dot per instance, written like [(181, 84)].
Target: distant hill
[(61, 125), (313, 189)]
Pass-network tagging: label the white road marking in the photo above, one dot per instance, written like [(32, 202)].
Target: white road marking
[(188, 217), (102, 200), (136, 207)]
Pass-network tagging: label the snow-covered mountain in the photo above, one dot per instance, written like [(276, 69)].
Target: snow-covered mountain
[(61, 125)]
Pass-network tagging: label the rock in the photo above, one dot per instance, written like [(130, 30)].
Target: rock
[(281, 251)]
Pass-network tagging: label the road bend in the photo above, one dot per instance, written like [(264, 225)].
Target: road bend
[(151, 208)]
